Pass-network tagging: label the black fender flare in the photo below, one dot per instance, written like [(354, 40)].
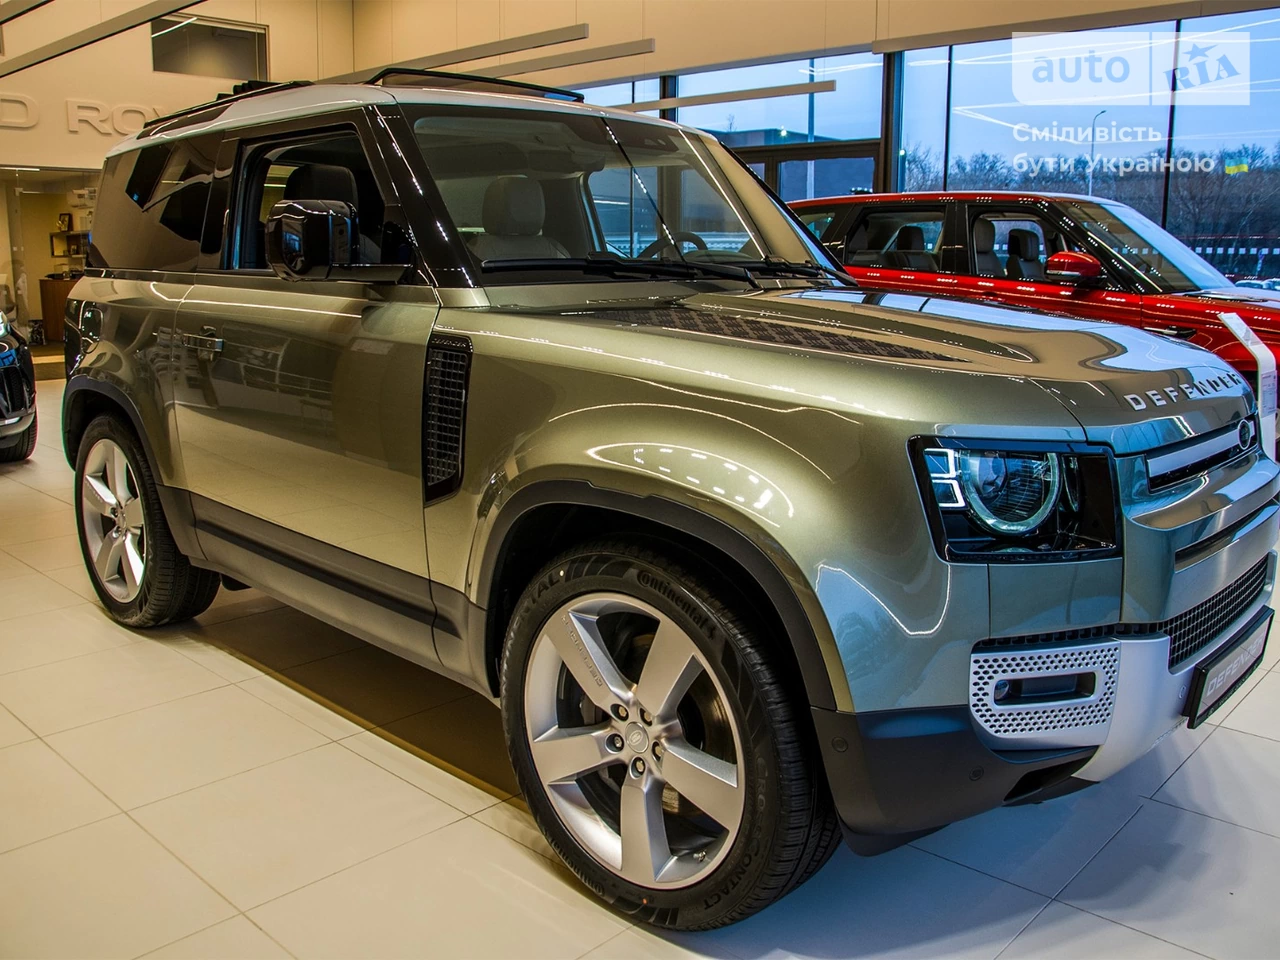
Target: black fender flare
[(175, 502), (686, 520)]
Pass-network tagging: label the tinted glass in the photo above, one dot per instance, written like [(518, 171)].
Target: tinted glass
[(1146, 248), (534, 187), (334, 169), (826, 177), (151, 206), (896, 239)]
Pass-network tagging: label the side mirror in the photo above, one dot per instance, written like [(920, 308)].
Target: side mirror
[(306, 239), (318, 240), (1070, 266)]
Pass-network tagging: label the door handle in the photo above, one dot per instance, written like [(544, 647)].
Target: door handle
[(205, 344), (1178, 333)]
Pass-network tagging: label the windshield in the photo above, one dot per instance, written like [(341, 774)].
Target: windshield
[(526, 188), (1151, 251)]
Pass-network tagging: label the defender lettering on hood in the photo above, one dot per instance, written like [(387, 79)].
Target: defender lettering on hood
[(1195, 390)]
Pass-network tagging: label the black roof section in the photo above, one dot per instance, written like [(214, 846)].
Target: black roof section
[(439, 79), (388, 77)]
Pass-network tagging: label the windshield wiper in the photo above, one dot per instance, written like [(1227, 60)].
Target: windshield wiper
[(777, 266), (615, 265)]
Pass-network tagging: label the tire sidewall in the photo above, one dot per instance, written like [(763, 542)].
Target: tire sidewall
[(590, 571), (109, 428)]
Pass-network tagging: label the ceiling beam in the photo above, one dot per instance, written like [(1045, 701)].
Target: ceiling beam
[(572, 58), (732, 96), (12, 9), (90, 35), (495, 48)]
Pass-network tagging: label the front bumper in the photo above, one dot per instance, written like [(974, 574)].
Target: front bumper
[(898, 774), (17, 389)]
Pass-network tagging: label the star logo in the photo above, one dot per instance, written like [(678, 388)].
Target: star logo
[(1197, 52)]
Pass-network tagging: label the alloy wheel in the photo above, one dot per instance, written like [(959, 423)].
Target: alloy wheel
[(113, 521), (632, 737)]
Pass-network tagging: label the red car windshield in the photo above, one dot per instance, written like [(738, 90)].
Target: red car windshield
[(1152, 252)]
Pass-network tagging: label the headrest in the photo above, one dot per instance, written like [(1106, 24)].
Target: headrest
[(321, 181), (1024, 244), (514, 207), (910, 238), (984, 236)]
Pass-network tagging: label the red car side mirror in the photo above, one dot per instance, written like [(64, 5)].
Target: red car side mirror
[(1072, 267)]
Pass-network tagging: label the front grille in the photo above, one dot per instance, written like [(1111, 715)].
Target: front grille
[(14, 398), (1189, 632), (448, 367), (1194, 630), (1082, 719)]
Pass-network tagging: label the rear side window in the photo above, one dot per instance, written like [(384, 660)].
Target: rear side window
[(151, 206), (897, 239)]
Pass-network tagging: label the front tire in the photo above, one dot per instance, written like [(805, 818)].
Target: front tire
[(138, 572), (25, 445), (655, 740)]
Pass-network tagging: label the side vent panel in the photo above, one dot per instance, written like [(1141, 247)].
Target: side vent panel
[(445, 417)]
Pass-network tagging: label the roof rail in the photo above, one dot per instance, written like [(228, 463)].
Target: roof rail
[(223, 100), (391, 77)]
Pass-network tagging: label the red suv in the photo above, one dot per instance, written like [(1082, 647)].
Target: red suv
[(1059, 253)]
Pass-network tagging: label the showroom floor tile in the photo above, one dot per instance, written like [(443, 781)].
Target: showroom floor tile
[(257, 784)]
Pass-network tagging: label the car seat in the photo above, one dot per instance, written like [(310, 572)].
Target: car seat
[(513, 214), (984, 243), (910, 252), (1024, 256)]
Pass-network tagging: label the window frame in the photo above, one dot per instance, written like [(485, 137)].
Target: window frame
[(866, 209), (241, 149)]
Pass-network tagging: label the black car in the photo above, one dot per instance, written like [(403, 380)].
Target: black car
[(17, 395)]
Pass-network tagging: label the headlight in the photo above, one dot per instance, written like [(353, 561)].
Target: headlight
[(4, 324), (1014, 501)]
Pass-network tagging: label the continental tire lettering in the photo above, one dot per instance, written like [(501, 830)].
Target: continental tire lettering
[(691, 610)]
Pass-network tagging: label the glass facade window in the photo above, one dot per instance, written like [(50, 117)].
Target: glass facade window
[(209, 48), (1224, 190), (618, 94), (850, 112), (1178, 119), (922, 154)]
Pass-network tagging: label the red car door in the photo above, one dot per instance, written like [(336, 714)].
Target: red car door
[(1001, 255)]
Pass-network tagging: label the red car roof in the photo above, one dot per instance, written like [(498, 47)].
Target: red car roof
[(940, 196)]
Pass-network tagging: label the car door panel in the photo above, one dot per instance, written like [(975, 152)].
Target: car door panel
[(301, 404)]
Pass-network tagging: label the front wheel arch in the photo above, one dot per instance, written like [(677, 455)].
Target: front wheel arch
[(545, 517)]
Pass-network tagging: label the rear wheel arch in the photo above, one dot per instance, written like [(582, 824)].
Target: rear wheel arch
[(84, 400), (546, 517)]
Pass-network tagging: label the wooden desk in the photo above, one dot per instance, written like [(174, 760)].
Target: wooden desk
[(53, 305)]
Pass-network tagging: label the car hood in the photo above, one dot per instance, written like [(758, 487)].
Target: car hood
[(1126, 388), (1246, 296)]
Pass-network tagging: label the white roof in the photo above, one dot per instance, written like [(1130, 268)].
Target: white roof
[(321, 98)]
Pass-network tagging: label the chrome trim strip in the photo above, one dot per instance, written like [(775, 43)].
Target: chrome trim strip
[(1166, 463)]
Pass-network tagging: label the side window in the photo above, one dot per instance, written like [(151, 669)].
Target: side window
[(1012, 243), (896, 238), (333, 168), (817, 219), (151, 206)]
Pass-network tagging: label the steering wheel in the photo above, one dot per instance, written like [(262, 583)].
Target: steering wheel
[(673, 241)]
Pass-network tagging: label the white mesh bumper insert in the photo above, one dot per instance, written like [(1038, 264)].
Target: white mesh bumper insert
[(1066, 720)]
